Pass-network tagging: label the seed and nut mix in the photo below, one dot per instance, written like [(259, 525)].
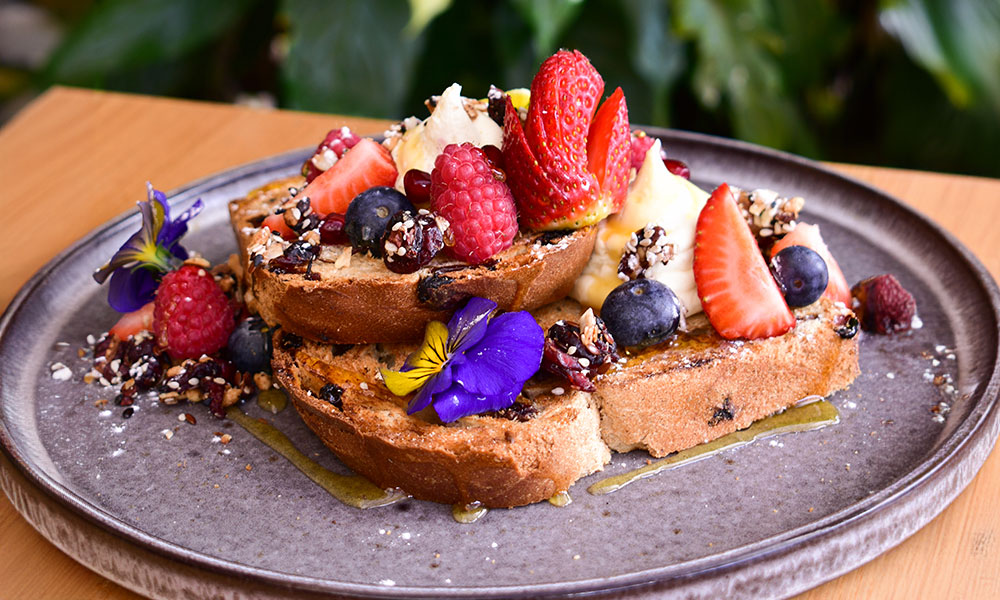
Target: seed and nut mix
[(767, 213), (646, 248)]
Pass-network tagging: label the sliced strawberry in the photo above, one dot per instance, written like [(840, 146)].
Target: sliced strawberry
[(364, 166), (737, 291), (609, 148), (134, 322), (808, 236), (277, 223), (526, 179), (561, 145)]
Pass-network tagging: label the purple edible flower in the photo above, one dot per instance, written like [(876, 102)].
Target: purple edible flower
[(477, 363), (137, 267)]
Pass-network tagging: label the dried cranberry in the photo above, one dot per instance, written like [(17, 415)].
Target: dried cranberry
[(331, 230), (518, 411), (883, 305), (332, 393), (494, 158), (295, 259), (411, 241), (567, 355), (496, 106), (417, 186)]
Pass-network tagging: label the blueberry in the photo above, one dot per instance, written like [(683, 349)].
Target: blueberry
[(368, 215), (250, 346), (641, 312), (801, 274)]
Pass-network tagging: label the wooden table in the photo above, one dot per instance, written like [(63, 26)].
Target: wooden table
[(75, 158)]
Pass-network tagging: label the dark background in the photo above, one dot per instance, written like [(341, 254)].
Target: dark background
[(907, 83)]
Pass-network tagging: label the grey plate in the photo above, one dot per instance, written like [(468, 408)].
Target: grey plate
[(768, 520)]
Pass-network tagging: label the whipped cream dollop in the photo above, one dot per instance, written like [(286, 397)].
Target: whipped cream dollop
[(657, 197), (453, 121)]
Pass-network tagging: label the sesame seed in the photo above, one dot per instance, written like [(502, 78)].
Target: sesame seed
[(584, 362), (571, 350), (173, 385), (219, 381), (364, 385), (558, 391), (193, 381)]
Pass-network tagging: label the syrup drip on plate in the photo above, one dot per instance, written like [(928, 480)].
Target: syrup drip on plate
[(352, 490), (802, 417), (468, 513), (561, 499)]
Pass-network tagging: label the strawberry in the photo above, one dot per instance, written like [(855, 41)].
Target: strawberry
[(808, 236), (277, 223), (567, 166), (134, 322), (737, 291), (364, 166)]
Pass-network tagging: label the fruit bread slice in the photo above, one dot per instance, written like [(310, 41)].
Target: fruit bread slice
[(672, 396), (349, 298)]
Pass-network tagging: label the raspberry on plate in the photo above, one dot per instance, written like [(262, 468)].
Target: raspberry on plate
[(479, 207), (191, 314)]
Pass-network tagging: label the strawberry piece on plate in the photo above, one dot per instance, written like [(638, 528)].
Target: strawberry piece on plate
[(567, 167), (364, 166), (808, 236), (134, 322), (737, 291)]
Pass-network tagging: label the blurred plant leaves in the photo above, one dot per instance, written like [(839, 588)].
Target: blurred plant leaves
[(957, 41), (122, 35), (547, 19), (423, 12), (657, 55), (736, 65), (349, 57)]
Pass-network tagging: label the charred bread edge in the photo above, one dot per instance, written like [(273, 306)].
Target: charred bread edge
[(364, 310)]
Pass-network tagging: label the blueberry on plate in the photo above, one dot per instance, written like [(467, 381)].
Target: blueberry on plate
[(801, 274), (369, 213), (249, 346), (641, 312)]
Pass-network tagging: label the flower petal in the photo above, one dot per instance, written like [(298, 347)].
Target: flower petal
[(174, 230), (456, 402), (435, 385), (130, 289), (508, 354), (468, 325), (433, 352)]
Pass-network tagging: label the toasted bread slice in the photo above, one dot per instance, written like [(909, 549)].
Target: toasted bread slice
[(356, 299), (672, 396), (698, 386), (510, 458)]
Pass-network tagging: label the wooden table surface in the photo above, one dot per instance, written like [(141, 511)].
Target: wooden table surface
[(75, 158)]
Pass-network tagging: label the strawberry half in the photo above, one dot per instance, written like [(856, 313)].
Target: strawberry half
[(364, 166), (134, 322), (737, 291), (808, 236), (568, 167)]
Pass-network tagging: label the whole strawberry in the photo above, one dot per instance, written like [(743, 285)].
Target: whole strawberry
[(883, 305), (191, 314), (466, 191)]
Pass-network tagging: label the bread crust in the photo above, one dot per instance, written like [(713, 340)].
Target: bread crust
[(366, 303)]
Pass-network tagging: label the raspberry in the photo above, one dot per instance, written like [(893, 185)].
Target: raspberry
[(641, 143), (331, 149), (883, 305), (191, 314), (466, 191)]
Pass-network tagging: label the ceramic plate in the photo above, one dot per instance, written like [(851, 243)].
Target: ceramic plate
[(187, 517)]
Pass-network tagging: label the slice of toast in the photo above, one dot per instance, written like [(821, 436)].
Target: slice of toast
[(672, 396), (355, 299)]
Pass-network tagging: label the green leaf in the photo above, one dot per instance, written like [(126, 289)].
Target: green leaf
[(657, 55), (736, 68), (423, 12), (349, 57), (958, 42), (122, 35), (547, 19)]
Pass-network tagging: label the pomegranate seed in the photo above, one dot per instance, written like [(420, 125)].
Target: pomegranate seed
[(417, 185), (678, 168)]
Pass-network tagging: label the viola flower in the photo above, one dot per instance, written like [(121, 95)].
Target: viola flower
[(136, 268), (477, 363)]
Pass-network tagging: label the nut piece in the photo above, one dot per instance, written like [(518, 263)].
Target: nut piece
[(769, 215), (646, 248)]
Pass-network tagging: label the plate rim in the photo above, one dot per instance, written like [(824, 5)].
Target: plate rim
[(954, 448)]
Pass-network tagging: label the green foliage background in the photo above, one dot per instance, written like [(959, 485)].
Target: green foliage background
[(910, 83)]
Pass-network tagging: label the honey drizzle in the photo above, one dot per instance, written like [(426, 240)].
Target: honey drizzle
[(797, 418), (352, 490)]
